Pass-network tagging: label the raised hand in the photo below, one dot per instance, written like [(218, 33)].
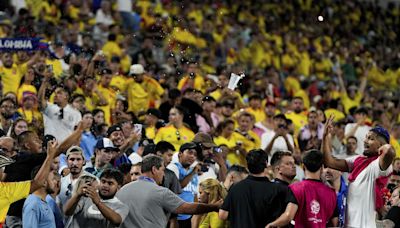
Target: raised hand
[(328, 127), (385, 148), (82, 189), (52, 148), (92, 194)]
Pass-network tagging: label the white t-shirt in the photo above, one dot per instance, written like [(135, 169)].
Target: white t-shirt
[(262, 127), (361, 194), (279, 143), (102, 18), (57, 127), (124, 5), (360, 134)]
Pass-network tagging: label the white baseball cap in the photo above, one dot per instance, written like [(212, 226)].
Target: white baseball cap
[(136, 69)]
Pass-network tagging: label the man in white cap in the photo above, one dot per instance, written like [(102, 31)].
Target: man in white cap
[(143, 91), (104, 152)]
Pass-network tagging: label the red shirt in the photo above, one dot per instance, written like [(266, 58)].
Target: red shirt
[(316, 203)]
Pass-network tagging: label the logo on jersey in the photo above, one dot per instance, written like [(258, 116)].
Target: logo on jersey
[(315, 209)]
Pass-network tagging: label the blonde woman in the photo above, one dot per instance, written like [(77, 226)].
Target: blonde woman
[(211, 191)]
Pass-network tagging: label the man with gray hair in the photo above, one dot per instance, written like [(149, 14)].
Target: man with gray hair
[(151, 204)]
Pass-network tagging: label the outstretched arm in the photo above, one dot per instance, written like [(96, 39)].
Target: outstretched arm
[(341, 82), (329, 160), (286, 216), (363, 83), (41, 176), (42, 90), (197, 208)]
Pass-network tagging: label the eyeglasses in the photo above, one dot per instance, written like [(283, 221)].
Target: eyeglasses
[(178, 135), (69, 190), (61, 114), (7, 106)]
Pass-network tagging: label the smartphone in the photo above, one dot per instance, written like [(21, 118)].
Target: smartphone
[(204, 168), (137, 128), (217, 150)]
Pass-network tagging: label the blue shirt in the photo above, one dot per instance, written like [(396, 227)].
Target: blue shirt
[(88, 142), (37, 213), (56, 211), (341, 201), (190, 190)]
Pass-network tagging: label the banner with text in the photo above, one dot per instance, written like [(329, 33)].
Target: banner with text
[(22, 44)]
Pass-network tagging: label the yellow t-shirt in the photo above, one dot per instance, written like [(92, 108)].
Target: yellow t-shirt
[(305, 64), (119, 83), (211, 220), (217, 95), (292, 84), (338, 114), (396, 145), (110, 96), (151, 132), (176, 137), (57, 67), (259, 114), (232, 157), (251, 142), (350, 103), (91, 102), (30, 114), (11, 192), (111, 48), (11, 78), (144, 95), (51, 12), (299, 120), (198, 84)]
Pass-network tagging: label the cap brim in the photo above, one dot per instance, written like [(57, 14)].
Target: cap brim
[(209, 145), (112, 148)]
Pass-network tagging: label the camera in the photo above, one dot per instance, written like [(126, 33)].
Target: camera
[(204, 168), (217, 150)]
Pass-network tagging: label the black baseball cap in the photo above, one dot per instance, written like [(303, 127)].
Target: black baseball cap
[(112, 129)]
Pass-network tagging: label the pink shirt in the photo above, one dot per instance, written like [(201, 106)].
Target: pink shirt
[(316, 203)]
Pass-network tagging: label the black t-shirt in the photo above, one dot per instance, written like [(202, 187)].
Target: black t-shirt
[(255, 202), (285, 184), (21, 171), (394, 215)]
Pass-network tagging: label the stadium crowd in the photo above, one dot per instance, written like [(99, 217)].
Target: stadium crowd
[(121, 116)]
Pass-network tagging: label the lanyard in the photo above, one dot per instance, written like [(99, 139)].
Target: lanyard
[(148, 179)]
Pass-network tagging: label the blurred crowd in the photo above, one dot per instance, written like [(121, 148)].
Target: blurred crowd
[(137, 91)]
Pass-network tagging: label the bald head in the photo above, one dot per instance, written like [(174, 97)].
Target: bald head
[(7, 145)]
